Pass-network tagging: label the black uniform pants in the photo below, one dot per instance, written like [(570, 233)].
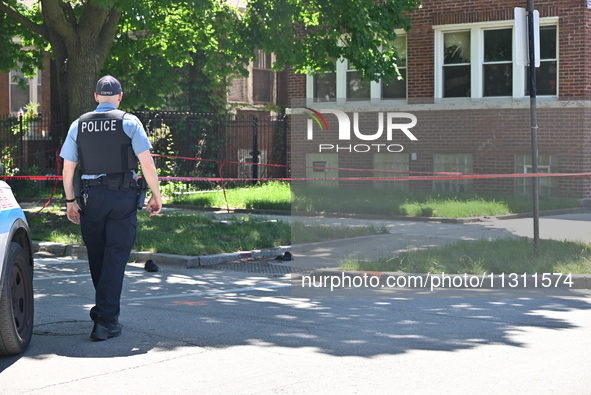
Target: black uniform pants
[(108, 222)]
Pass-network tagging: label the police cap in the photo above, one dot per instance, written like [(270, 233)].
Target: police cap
[(108, 86)]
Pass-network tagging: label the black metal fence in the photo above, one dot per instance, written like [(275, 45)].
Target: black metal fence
[(30, 145), (248, 147)]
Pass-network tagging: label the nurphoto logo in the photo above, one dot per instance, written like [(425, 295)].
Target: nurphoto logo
[(392, 121)]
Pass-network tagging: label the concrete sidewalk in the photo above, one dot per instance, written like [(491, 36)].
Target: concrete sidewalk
[(402, 236), (171, 260), (409, 235), (322, 260)]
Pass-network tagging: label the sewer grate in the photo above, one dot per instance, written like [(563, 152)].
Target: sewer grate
[(257, 266)]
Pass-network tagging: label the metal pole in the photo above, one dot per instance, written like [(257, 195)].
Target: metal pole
[(285, 156), (534, 125), (255, 149), (21, 139)]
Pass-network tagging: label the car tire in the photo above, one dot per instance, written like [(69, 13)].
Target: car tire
[(16, 303)]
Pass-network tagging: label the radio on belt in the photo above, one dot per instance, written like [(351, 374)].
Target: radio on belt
[(106, 125)]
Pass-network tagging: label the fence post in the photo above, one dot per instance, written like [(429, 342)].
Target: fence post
[(285, 145), (255, 149), (21, 143)]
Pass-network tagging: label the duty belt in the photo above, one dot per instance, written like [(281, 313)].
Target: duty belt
[(122, 184)]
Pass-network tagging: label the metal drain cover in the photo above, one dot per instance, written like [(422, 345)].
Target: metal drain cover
[(257, 266), (63, 328)]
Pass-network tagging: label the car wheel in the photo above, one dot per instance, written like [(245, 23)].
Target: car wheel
[(16, 303)]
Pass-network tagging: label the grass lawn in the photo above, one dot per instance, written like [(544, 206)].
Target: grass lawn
[(196, 234), (407, 203), (269, 196), (280, 196), (480, 257)]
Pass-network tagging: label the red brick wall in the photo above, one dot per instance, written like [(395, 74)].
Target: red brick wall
[(494, 135), (45, 87)]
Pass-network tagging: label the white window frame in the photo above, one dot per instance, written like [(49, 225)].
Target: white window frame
[(477, 58), (341, 68)]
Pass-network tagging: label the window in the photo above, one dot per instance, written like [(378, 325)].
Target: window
[(262, 78), (546, 164), (397, 88), (238, 90), (457, 163), (476, 61), (546, 73), (325, 85), (20, 98), (498, 62), (357, 89), (397, 164), (456, 64), (259, 86), (344, 85)]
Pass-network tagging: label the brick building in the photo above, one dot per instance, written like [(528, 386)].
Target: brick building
[(29, 145), (470, 100), (38, 90)]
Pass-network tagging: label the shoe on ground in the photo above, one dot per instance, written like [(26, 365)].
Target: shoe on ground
[(103, 330), (150, 266), (286, 256)]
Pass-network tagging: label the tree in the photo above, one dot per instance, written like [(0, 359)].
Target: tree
[(146, 42)]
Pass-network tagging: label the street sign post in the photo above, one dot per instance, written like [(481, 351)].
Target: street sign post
[(527, 36)]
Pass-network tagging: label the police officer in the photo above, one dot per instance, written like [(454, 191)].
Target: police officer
[(107, 144)]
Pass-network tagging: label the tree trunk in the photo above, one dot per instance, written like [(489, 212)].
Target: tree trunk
[(80, 47), (76, 81)]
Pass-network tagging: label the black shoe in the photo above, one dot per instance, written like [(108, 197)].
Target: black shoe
[(150, 266), (286, 256), (105, 330)]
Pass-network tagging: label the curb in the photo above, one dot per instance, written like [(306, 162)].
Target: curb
[(171, 260), (370, 279), (466, 220), (383, 217)]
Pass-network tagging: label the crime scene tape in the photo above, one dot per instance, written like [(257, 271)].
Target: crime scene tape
[(459, 176), (408, 175)]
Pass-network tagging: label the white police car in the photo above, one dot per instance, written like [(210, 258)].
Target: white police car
[(16, 271)]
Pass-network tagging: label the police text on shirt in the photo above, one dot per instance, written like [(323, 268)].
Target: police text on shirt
[(94, 125)]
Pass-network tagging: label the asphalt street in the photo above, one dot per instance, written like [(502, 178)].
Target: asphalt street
[(213, 331)]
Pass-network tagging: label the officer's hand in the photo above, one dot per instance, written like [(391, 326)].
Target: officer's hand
[(154, 206), (73, 212)]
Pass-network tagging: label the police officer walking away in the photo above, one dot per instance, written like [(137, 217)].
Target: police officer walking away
[(107, 143)]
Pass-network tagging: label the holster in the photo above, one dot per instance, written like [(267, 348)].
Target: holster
[(141, 192), (77, 182)]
